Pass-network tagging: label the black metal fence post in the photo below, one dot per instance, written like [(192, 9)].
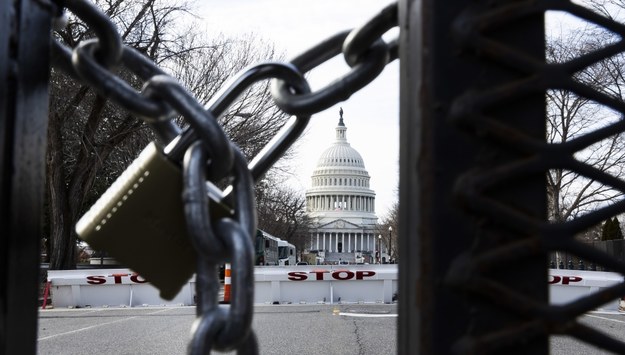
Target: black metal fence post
[(463, 198), (24, 51)]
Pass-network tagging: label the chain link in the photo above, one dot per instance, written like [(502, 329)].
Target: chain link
[(222, 224), (109, 44), (229, 238), (367, 55), (228, 95), (360, 40)]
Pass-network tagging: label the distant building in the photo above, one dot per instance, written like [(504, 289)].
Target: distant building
[(341, 205)]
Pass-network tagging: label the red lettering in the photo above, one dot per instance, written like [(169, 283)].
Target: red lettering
[(564, 279), (336, 275), (568, 279), (137, 278), (96, 280), (348, 275), (554, 279), (362, 274), (319, 273), (118, 277), (297, 276)]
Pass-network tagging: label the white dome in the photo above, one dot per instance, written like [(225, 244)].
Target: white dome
[(340, 154), (340, 181)]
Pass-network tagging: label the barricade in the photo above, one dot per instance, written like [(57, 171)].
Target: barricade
[(109, 287), (569, 285), (273, 285), (289, 284), (325, 284)]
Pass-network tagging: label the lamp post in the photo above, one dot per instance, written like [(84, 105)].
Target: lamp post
[(390, 243), (379, 248)]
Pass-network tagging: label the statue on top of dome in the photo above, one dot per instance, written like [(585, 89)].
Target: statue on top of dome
[(341, 117)]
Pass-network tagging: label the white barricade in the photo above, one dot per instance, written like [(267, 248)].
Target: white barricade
[(109, 287), (289, 284), (325, 284), (569, 285), (273, 284)]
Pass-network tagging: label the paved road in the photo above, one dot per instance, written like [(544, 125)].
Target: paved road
[(283, 329), (608, 323)]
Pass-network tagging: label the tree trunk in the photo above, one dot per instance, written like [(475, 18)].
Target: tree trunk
[(60, 250)]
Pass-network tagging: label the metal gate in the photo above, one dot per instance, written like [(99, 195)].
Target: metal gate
[(473, 167), (472, 176), (24, 49)]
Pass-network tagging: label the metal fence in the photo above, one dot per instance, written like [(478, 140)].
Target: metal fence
[(473, 162), (615, 249)]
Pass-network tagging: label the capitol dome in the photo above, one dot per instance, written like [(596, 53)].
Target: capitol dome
[(341, 154), (341, 167), (340, 202)]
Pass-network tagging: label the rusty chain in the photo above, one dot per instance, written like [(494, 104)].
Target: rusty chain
[(229, 238)]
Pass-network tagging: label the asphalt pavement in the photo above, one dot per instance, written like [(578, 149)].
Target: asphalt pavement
[(281, 329), (358, 329)]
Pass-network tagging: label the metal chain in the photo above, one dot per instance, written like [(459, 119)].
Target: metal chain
[(364, 50), (221, 224), (229, 238)]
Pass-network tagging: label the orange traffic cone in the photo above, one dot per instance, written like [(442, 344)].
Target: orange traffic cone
[(227, 282)]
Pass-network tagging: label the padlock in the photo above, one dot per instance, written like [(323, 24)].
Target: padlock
[(140, 222)]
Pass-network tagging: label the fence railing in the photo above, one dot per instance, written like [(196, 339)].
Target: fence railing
[(567, 260)]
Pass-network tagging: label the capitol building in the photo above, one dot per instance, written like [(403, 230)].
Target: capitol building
[(341, 205)]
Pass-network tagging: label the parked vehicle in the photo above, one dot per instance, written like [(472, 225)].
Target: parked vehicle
[(286, 253), (271, 250), (266, 249)]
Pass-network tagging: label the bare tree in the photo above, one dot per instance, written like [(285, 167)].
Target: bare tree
[(387, 228), (570, 116), (91, 140), (281, 211), (253, 119)]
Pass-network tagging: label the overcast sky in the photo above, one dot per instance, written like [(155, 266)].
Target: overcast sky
[(371, 115)]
